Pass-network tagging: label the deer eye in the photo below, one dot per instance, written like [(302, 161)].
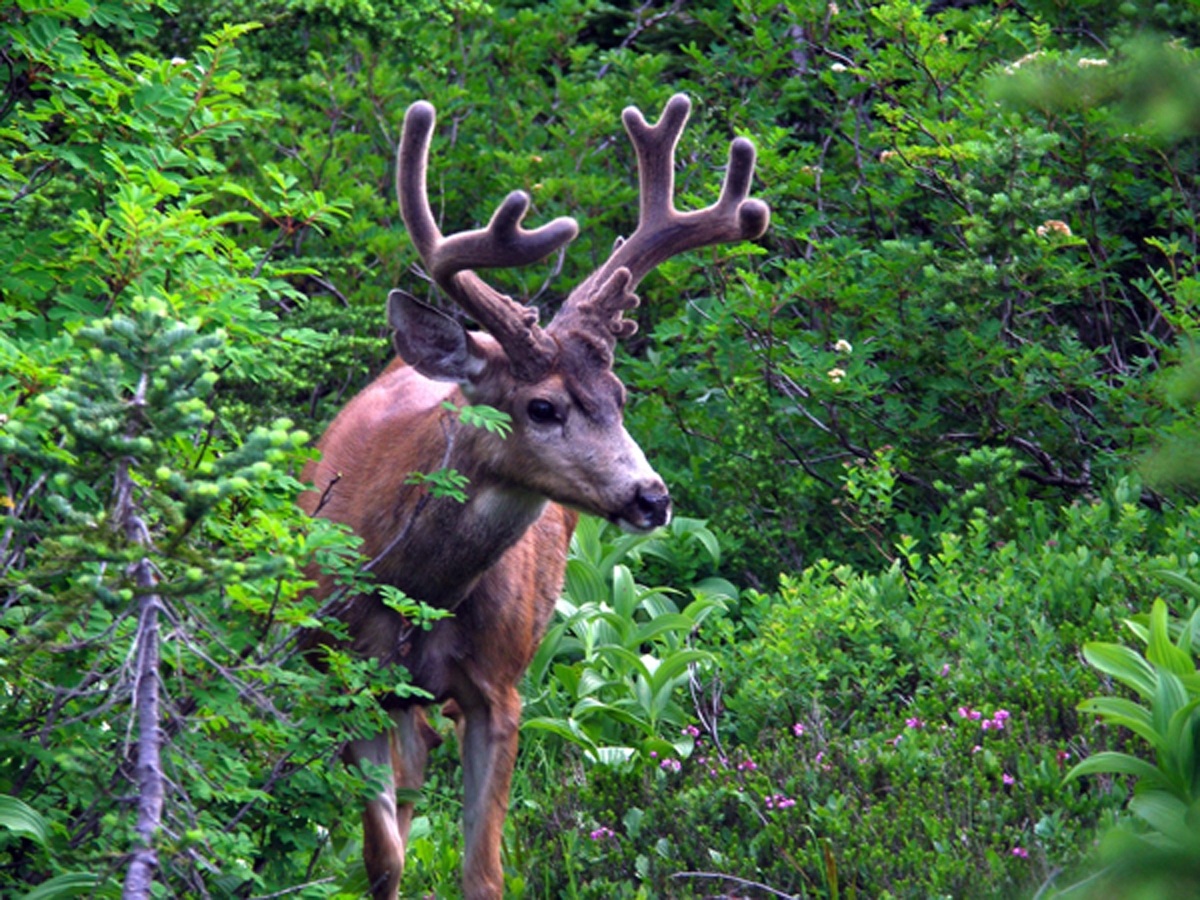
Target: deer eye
[(542, 412)]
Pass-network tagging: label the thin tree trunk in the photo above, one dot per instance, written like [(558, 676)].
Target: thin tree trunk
[(144, 863)]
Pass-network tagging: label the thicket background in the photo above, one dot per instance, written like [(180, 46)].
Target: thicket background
[(929, 439)]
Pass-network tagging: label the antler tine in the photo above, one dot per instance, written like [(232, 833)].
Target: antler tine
[(503, 243), (663, 231)]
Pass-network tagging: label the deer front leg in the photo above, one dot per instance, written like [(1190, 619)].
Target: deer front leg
[(404, 749), (487, 734)]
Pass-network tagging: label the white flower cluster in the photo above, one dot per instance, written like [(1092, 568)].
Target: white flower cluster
[(1055, 227)]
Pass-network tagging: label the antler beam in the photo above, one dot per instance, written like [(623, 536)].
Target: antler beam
[(503, 243), (663, 231)]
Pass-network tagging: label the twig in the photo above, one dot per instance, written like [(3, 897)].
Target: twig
[(640, 26), (19, 510), (1055, 476), (148, 772), (559, 258), (332, 288), (294, 890), (742, 881), (706, 712), (325, 493)]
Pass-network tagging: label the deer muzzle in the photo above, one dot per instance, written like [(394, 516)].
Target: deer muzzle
[(649, 508)]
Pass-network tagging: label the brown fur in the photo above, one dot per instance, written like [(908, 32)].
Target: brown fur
[(500, 571)]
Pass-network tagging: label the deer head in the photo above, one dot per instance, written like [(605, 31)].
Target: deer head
[(568, 443)]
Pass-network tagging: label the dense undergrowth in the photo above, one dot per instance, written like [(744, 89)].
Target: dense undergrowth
[(874, 726), (933, 441)]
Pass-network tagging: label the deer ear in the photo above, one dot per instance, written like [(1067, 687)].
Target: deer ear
[(432, 342)]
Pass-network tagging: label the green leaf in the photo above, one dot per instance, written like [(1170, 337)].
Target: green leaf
[(546, 651), (585, 543), (1113, 763), (1182, 733), (1161, 650), (567, 729), (612, 756), (624, 592), (1165, 813), (659, 602), (676, 664), (715, 587), (71, 885), (1124, 665), (1125, 713), (669, 622), (488, 418), (618, 629), (1180, 581), (589, 707), (623, 660), (583, 583), (448, 483), (568, 677), (1169, 698), (21, 818), (591, 682)]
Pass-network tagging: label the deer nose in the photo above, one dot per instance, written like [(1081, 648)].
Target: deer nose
[(649, 508), (654, 505)]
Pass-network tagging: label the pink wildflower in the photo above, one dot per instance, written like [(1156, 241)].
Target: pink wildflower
[(1020, 852)]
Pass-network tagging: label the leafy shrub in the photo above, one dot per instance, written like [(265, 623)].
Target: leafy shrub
[(619, 652), (943, 275), (896, 733), (1157, 855), (935, 370), (146, 543)]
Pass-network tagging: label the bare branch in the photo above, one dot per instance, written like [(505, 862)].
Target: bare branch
[(741, 881), (640, 26)]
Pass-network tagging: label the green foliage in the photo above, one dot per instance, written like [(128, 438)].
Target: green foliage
[(875, 720), (608, 673), (126, 302), (1166, 793), (943, 275), (908, 418), (491, 420)]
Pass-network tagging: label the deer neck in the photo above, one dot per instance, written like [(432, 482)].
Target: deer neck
[(443, 545)]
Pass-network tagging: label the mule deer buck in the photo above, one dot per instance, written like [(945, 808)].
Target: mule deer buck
[(497, 560)]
